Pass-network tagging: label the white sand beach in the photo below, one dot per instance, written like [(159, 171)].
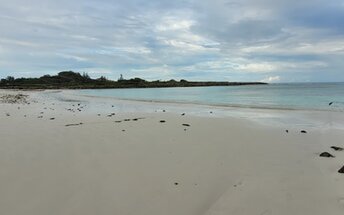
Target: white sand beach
[(57, 160)]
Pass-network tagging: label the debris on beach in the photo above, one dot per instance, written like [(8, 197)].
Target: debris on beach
[(303, 131), (14, 98), (183, 114), (326, 154), (336, 148), (110, 115), (118, 121), (341, 170), (76, 124), (52, 118), (186, 124), (162, 121), (330, 103), (287, 131)]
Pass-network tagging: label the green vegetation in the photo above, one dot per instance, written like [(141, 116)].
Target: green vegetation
[(73, 80)]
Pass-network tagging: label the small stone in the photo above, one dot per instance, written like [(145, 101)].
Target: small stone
[(341, 170), (52, 118), (326, 154), (176, 183), (162, 121), (186, 124), (183, 114), (303, 131), (287, 131), (336, 148)]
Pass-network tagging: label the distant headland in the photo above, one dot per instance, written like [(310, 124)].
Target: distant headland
[(74, 80)]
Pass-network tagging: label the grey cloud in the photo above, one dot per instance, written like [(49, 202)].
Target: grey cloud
[(174, 36)]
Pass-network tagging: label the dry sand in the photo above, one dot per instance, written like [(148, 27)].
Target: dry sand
[(216, 166)]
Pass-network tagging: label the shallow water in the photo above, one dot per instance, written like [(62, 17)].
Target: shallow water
[(299, 96)]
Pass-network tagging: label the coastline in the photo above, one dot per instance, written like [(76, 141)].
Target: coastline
[(225, 162)]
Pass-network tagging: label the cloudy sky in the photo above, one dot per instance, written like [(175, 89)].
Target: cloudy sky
[(243, 40)]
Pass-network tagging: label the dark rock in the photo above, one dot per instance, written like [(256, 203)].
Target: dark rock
[(162, 121), (135, 119), (163, 110), (74, 124), (341, 170), (52, 118), (176, 183), (287, 131), (126, 120), (123, 130), (330, 103), (211, 112), (183, 114), (303, 131), (326, 154), (336, 148), (186, 124), (118, 121)]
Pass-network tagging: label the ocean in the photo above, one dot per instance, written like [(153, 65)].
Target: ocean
[(294, 96)]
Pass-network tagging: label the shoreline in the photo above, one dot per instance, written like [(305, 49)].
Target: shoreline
[(289, 117), (97, 156)]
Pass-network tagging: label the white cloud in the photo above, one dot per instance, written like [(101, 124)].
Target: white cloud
[(257, 67), (271, 79)]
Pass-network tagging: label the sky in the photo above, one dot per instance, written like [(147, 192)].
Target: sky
[(219, 40)]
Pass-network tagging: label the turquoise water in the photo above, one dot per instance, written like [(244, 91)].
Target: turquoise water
[(304, 96)]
